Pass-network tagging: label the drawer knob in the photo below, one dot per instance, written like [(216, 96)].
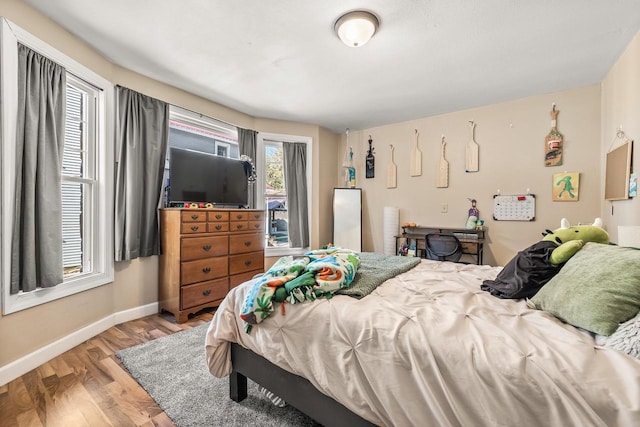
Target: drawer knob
[(256, 225), (239, 216), (239, 227), (218, 216), (206, 247), (206, 270), (194, 217), (247, 244), (206, 293), (247, 263), (194, 227), (218, 227)]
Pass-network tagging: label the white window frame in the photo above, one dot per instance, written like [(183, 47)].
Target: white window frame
[(224, 145), (261, 183), (101, 237)]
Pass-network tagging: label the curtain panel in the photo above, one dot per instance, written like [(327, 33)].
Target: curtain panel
[(295, 181), (36, 251), (142, 132), (247, 147)]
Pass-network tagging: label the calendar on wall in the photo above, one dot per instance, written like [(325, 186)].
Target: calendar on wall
[(514, 208)]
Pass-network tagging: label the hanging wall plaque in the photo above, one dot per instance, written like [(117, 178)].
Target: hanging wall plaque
[(553, 142), (442, 176), (415, 167), (391, 170), (370, 161)]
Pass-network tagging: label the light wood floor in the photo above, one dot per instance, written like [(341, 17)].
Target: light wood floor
[(88, 386)]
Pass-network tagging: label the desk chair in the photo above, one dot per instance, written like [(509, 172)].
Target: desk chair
[(443, 247)]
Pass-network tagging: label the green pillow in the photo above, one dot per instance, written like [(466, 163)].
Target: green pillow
[(597, 289)]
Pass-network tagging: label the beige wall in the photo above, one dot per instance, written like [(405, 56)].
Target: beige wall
[(621, 108), (511, 138), (135, 282)]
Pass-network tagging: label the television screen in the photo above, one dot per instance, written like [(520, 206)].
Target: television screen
[(200, 177)]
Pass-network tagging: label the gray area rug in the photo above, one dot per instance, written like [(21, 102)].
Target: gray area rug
[(174, 372)]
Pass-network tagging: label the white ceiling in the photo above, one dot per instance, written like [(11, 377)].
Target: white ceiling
[(280, 59)]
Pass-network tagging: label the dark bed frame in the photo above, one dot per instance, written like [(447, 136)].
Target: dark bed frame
[(295, 390)]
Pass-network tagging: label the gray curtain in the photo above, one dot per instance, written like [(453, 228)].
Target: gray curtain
[(141, 143), (247, 146), (295, 181), (36, 251)]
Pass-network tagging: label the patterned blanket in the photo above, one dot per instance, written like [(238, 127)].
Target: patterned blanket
[(319, 274)]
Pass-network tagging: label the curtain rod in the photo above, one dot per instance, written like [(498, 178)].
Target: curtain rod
[(188, 109)]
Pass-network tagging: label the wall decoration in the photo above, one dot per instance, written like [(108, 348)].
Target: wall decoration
[(566, 186), (521, 207), (471, 152), (618, 171), (370, 161), (553, 142), (442, 178), (633, 185), (415, 167), (391, 170)]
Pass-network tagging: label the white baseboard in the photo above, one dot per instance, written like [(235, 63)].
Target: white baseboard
[(31, 361)]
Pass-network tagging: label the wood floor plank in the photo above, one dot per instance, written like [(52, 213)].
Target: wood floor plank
[(88, 385), (29, 419)]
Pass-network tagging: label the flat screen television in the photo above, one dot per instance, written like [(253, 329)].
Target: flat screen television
[(200, 177)]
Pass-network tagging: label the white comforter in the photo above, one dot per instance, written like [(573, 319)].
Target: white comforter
[(428, 347)]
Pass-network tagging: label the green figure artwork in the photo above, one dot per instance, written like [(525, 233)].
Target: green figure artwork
[(565, 187)]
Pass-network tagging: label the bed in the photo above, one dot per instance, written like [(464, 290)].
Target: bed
[(427, 347)]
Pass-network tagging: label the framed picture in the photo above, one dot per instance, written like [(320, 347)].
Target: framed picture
[(566, 187)]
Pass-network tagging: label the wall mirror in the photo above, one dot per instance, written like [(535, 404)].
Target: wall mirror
[(618, 169)]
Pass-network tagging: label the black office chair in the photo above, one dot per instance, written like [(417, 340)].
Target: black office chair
[(443, 247)]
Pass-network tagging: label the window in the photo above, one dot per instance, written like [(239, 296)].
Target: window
[(87, 174), (275, 196), (197, 132), (272, 192), (78, 176), (201, 133)]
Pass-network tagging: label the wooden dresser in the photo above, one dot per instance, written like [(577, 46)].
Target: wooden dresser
[(206, 252)]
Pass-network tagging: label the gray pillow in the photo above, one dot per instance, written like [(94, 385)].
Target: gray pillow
[(626, 338), (597, 289)]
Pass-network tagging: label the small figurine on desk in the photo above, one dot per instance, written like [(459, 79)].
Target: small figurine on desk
[(474, 214)]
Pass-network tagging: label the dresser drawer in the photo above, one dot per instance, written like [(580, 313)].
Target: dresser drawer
[(256, 225), (256, 216), (246, 262), (217, 227), (203, 269), (203, 247), (238, 226), (239, 216), (193, 216), (205, 292), (193, 227), (238, 279), (244, 243), (217, 216)]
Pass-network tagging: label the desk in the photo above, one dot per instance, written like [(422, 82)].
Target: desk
[(472, 241)]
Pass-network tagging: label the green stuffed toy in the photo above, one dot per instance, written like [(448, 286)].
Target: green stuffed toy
[(572, 239), (534, 266)]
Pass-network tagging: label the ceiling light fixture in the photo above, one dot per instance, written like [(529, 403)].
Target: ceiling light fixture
[(356, 28)]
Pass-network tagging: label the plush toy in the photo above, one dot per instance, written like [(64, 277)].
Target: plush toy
[(533, 267), (572, 239)]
